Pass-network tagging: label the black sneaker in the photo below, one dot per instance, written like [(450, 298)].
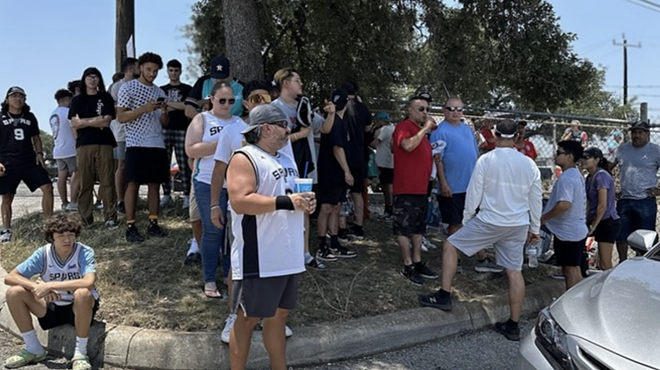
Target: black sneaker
[(343, 235), (424, 271), (509, 331), (434, 300), (411, 274), (133, 235), (324, 254), (357, 234), (315, 264), (193, 258), (121, 208), (155, 230), (342, 252)]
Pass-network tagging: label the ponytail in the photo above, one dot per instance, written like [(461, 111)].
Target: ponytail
[(604, 164)]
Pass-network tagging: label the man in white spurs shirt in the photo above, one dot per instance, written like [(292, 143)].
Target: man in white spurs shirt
[(506, 188)]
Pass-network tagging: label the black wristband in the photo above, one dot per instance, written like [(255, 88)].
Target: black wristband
[(284, 202)]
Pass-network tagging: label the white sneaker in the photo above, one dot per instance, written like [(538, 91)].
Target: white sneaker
[(287, 331), (5, 236), (229, 323), (71, 207), (428, 244), (186, 202), (424, 248), (165, 201), (112, 225)]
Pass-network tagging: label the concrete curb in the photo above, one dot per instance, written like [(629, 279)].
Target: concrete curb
[(137, 348)]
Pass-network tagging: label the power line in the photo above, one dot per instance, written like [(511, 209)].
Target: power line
[(643, 6), (634, 87)]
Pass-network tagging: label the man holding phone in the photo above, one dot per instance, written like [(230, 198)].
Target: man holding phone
[(142, 109)]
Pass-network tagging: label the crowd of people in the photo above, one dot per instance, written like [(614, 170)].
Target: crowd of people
[(241, 149)]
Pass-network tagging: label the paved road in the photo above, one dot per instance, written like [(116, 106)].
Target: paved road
[(480, 350)]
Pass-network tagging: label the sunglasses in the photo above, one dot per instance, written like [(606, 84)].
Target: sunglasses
[(258, 98), (225, 101), (424, 109), (454, 109), (282, 124)]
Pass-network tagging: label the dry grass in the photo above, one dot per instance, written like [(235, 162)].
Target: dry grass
[(148, 286)]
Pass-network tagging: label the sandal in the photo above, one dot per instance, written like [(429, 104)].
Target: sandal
[(81, 362), (212, 293), (24, 358)]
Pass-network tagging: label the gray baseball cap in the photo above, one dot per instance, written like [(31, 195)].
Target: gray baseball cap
[(265, 113)]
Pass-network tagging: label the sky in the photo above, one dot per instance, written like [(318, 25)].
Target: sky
[(44, 49)]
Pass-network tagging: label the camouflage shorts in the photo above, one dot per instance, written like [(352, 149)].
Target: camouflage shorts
[(409, 214)]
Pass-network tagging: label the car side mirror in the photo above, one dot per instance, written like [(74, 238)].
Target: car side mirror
[(642, 240)]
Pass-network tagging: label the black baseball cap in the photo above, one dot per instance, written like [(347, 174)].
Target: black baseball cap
[(592, 152), (506, 129), (640, 125), (423, 96), (15, 90), (339, 98), (220, 68)]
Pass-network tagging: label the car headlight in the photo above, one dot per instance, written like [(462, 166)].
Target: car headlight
[(553, 338)]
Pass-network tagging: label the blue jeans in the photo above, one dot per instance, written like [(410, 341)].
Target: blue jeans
[(212, 237), (636, 214)]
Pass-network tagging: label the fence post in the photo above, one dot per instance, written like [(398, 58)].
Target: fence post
[(644, 111)]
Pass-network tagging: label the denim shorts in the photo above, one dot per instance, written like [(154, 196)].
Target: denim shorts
[(636, 214)]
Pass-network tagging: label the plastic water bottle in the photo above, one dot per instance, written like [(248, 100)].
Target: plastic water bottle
[(532, 255)]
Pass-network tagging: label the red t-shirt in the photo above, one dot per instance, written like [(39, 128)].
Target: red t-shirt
[(488, 136), (528, 149), (412, 170)]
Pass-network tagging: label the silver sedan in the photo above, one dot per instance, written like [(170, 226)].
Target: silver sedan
[(608, 321)]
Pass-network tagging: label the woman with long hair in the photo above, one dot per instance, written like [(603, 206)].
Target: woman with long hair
[(602, 218)]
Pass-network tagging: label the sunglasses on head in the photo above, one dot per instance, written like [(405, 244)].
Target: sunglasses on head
[(225, 101), (282, 124), (424, 109), (454, 109), (258, 98)]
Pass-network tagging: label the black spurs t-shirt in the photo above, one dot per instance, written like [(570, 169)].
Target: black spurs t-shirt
[(177, 93), (90, 106), (16, 134), (330, 172)]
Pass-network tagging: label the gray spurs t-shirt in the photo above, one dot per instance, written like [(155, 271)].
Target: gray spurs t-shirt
[(638, 169)]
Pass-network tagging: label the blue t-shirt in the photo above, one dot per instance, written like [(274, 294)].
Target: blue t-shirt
[(34, 265), (570, 226), (601, 180), (459, 154)]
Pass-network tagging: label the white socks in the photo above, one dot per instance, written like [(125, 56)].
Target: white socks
[(81, 346), (194, 248), (32, 344), (308, 257)]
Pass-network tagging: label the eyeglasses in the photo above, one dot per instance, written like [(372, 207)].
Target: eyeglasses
[(92, 77), (282, 124), (258, 98), (424, 109), (559, 152), (224, 101), (454, 109)]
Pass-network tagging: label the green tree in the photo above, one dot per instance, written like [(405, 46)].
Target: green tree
[(47, 143)]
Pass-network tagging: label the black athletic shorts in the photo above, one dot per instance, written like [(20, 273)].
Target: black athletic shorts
[(147, 165), (330, 194), (358, 180), (385, 175), (607, 230), (568, 253), (60, 315), (409, 212), (261, 297), (33, 175), (451, 209)]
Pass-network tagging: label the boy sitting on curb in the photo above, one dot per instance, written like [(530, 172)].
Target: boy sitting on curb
[(64, 295)]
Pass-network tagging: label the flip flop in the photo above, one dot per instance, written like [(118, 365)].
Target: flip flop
[(212, 293)]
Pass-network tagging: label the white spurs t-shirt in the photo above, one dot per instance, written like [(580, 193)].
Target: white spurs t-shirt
[(146, 130)]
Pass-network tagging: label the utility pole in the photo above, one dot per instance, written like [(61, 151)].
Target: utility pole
[(124, 32), (625, 65)]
